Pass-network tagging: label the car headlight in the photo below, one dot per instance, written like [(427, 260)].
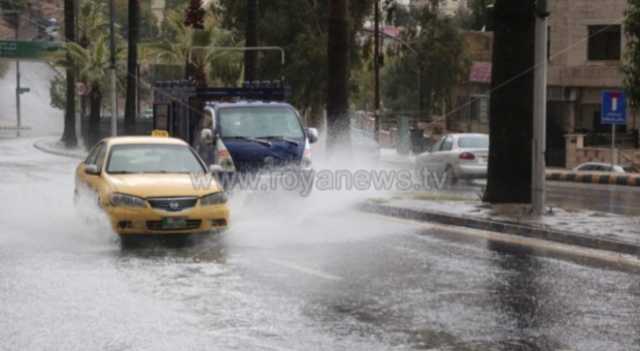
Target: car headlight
[(123, 200), (214, 199)]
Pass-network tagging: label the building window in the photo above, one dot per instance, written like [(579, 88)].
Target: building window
[(605, 43)]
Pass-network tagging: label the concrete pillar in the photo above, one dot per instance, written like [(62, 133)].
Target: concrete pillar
[(571, 116), (574, 142)]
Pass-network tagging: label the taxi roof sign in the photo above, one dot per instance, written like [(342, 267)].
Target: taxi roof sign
[(160, 133)]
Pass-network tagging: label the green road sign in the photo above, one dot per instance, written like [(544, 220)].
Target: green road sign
[(27, 50)]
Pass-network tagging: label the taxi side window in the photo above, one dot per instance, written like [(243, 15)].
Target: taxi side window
[(100, 157), (91, 159)]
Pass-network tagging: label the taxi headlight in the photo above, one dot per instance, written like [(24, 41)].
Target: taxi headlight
[(214, 199), (124, 200)]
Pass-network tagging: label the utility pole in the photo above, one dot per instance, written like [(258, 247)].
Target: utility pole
[(540, 110), (76, 13), (18, 88), (114, 100), (250, 57), (70, 135), (376, 67)]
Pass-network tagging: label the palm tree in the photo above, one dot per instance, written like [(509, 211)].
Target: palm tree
[(195, 49), (92, 22), (132, 65), (92, 63)]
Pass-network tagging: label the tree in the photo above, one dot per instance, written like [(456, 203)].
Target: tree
[(91, 58), (474, 16), (251, 40), (92, 22), (194, 15), (181, 45), (337, 86), (437, 56), (132, 65), (511, 122), (147, 21), (69, 137), (631, 65), (93, 64), (300, 27)]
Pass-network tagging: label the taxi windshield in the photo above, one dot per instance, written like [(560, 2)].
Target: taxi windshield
[(259, 122), (147, 158)]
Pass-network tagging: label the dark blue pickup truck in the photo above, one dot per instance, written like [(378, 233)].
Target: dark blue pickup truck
[(236, 130), (257, 136)]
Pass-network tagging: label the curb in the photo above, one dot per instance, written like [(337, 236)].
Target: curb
[(573, 177), (562, 237), (595, 178), (39, 145)]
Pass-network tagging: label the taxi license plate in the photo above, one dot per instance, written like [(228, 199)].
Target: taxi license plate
[(174, 223)]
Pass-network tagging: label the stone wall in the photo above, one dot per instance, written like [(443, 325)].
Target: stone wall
[(577, 153)]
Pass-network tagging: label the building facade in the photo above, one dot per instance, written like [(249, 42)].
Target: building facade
[(586, 49)]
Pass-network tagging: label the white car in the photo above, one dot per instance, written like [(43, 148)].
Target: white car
[(599, 167), (459, 156)]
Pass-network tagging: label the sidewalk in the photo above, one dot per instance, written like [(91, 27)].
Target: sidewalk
[(53, 145), (590, 229)]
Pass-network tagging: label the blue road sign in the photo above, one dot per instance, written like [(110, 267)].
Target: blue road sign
[(614, 108)]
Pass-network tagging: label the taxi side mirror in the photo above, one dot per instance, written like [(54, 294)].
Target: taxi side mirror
[(91, 170), (312, 134)]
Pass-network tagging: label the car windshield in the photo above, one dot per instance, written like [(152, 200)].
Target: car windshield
[(474, 142), (148, 158), (259, 122)]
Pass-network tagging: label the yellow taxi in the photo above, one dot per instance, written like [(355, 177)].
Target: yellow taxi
[(147, 185)]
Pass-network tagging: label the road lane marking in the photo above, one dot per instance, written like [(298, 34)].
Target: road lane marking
[(541, 247), (306, 270)]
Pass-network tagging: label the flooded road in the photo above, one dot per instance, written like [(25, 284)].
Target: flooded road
[(291, 274)]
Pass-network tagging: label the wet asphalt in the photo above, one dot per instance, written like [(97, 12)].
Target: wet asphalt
[(291, 274)]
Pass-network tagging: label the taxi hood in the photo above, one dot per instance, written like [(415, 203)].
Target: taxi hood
[(164, 185)]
